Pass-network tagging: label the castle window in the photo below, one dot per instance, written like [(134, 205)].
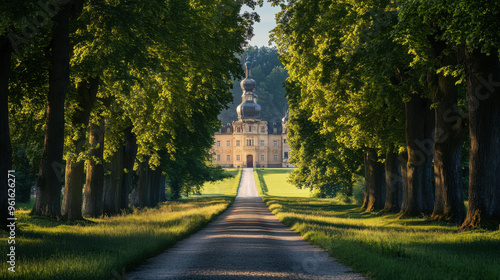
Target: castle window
[(218, 157), (284, 140), (262, 143), (218, 143), (238, 129), (261, 157), (238, 157), (250, 142), (238, 143), (228, 143), (275, 157), (228, 157), (275, 143), (249, 129), (285, 156), (263, 129)]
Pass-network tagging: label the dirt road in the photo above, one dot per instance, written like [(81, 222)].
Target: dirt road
[(246, 242)]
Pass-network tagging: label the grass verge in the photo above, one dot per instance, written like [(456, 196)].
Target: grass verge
[(105, 248), (381, 246)]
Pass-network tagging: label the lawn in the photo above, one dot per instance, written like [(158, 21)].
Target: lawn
[(278, 179), (104, 248), (382, 246), (226, 187)]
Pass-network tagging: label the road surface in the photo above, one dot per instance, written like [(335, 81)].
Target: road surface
[(245, 242)]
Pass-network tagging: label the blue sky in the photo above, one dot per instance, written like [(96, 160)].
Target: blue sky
[(266, 24)]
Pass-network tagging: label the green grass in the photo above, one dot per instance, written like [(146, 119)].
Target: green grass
[(227, 187), (278, 179), (382, 246), (104, 248)]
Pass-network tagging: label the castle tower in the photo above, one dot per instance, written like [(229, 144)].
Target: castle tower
[(248, 109)]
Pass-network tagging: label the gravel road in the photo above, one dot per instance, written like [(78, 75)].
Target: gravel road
[(245, 242)]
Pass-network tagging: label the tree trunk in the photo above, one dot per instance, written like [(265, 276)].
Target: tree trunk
[(128, 162), (93, 194), (374, 182), (175, 189), (449, 205), (155, 176), (113, 183), (163, 195), (403, 158), (483, 98), (72, 200), (419, 150), (428, 189), (48, 189), (141, 186), (5, 145), (393, 182)]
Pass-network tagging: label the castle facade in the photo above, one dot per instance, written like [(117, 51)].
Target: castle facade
[(251, 141)]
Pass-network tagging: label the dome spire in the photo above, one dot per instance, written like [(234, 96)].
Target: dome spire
[(248, 65), (248, 109)]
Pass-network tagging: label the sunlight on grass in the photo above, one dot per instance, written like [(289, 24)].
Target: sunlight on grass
[(225, 187), (381, 245), (99, 248), (278, 179)]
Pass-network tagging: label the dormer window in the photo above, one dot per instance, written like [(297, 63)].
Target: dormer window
[(238, 129)]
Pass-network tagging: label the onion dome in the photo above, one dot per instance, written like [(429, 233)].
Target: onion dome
[(248, 109), (248, 84)]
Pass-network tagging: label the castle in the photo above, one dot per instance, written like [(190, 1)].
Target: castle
[(250, 141)]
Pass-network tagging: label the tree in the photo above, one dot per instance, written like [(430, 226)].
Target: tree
[(11, 26), (72, 200), (5, 145), (343, 56), (48, 196), (434, 54), (477, 45)]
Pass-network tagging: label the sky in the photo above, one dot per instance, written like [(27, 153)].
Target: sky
[(266, 24)]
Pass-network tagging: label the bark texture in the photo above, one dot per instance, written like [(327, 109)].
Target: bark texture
[(403, 158), (93, 193), (129, 153), (154, 180), (141, 191), (75, 169), (419, 141), (374, 182), (113, 183), (449, 205), (5, 144), (48, 189), (393, 182), (483, 99)]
